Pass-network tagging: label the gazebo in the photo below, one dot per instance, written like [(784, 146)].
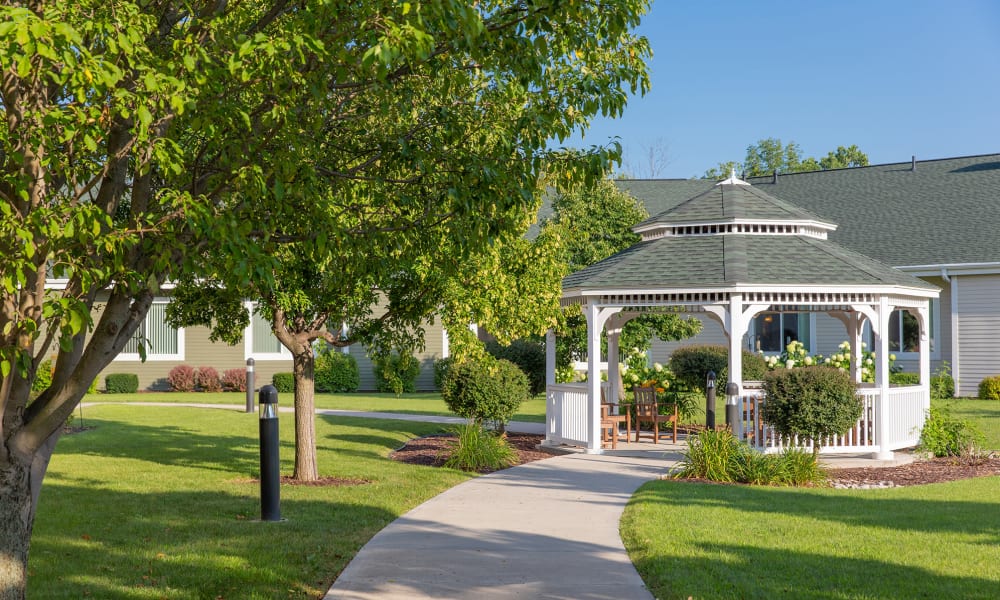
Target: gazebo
[(732, 253)]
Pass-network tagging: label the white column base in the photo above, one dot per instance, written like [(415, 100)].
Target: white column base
[(593, 451), (883, 455)]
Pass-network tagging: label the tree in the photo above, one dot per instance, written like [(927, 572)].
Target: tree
[(593, 223), (769, 156), (205, 142)]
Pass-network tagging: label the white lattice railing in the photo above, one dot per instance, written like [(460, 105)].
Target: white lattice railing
[(904, 409)]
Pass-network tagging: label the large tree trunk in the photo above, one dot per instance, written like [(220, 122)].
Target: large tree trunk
[(16, 520), (305, 416)]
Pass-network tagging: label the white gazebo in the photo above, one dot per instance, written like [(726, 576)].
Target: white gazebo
[(732, 253)]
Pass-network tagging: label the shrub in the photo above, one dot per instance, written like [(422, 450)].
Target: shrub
[(43, 376), (336, 372), (121, 383), (208, 379), (801, 468), (234, 380), (989, 388), (942, 384), (396, 373), (904, 378), (711, 455), (441, 368), (691, 364), (945, 435), (486, 389), (182, 378), (529, 356), (284, 382), (479, 450), (756, 468), (717, 455), (811, 402)]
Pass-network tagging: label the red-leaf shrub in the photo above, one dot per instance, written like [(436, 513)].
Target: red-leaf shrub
[(208, 380), (234, 380), (181, 378)]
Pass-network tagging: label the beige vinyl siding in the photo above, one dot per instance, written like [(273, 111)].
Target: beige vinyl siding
[(978, 330), (829, 333), (433, 350)]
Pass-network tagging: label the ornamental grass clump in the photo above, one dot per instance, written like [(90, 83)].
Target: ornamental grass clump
[(477, 449), (711, 455), (716, 455)]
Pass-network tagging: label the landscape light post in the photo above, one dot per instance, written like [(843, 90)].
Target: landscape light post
[(710, 400), (733, 408), (250, 385), (270, 476)]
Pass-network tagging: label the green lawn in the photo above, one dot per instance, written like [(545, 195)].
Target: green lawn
[(693, 540), (422, 403), (985, 414), (155, 503)]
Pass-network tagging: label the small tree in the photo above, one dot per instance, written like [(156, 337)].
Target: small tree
[(811, 402)]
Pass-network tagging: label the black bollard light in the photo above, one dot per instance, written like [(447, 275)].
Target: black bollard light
[(270, 482), (710, 400), (250, 385), (733, 407)]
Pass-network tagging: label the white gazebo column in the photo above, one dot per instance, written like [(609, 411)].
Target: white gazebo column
[(882, 415), (550, 357), (923, 320), (614, 375), (596, 318), (737, 328), (855, 329)]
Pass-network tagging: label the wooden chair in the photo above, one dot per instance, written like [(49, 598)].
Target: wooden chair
[(647, 410), (610, 423)]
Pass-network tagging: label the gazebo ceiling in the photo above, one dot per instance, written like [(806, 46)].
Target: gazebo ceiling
[(734, 237)]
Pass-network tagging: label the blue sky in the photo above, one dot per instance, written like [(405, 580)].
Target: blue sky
[(897, 78)]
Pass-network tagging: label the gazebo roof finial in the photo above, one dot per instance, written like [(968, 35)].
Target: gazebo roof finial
[(733, 179)]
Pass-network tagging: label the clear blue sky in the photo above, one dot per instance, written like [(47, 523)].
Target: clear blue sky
[(897, 78)]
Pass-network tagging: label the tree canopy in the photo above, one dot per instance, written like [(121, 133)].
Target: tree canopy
[(227, 144), (769, 156)]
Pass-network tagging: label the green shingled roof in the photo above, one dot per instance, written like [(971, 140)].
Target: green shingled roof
[(731, 260), (946, 211), (727, 202)]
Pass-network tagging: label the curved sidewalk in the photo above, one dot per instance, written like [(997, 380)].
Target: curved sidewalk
[(547, 529)]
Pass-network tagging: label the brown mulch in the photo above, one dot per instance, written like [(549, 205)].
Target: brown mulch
[(919, 472), (433, 450)]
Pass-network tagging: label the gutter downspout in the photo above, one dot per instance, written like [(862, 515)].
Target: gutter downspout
[(955, 363)]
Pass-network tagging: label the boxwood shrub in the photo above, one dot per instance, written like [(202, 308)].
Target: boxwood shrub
[(284, 382), (121, 383), (989, 388), (528, 355), (486, 390), (337, 372), (691, 364), (904, 378), (811, 402)]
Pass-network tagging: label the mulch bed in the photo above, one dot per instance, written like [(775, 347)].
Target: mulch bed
[(432, 451)]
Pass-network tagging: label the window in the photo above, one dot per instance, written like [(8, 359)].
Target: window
[(770, 332), (259, 341), (161, 341), (904, 331)]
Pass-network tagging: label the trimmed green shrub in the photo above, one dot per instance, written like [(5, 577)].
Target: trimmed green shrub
[(528, 355), (337, 373), (942, 383), (43, 376), (945, 435), (234, 380), (989, 388), (810, 402), (121, 383), (487, 389), (208, 379), (479, 450), (396, 373), (441, 368), (691, 364), (904, 378), (182, 378), (284, 382)]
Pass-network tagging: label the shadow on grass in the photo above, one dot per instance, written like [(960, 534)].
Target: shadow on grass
[(196, 544), (748, 571)]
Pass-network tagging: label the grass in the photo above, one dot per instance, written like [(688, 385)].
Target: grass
[(429, 403), (693, 540), (156, 503), (985, 414)]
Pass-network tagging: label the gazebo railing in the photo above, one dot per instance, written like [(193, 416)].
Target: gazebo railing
[(905, 404), (566, 413)]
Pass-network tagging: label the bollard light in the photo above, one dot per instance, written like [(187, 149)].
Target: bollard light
[(270, 475), (250, 408), (710, 400), (733, 407)]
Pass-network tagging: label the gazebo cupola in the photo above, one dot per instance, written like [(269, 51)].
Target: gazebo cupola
[(732, 253)]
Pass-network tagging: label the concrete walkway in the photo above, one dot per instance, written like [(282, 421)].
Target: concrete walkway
[(547, 529)]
